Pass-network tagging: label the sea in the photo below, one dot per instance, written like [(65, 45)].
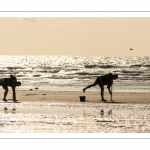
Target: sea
[(73, 73)]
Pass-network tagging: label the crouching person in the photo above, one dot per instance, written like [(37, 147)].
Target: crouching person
[(12, 82)]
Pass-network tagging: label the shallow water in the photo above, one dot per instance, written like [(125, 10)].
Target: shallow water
[(74, 118)]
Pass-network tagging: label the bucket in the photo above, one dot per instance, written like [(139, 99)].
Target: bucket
[(82, 98)]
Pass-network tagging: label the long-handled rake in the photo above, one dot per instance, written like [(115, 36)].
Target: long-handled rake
[(111, 94)]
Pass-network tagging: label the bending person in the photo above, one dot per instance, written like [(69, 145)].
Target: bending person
[(12, 82), (101, 81)]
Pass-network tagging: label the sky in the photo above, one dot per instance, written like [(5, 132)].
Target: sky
[(100, 36)]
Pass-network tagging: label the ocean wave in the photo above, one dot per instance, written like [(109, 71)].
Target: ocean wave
[(100, 66), (15, 67), (54, 71), (140, 65), (36, 75), (131, 71), (90, 66), (4, 71), (145, 65), (135, 66), (85, 73), (106, 66), (35, 69)]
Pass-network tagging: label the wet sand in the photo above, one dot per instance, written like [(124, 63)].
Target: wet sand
[(62, 112)]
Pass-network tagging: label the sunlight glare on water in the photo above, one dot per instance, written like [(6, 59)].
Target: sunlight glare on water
[(76, 72)]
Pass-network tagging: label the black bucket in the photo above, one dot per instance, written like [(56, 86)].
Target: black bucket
[(82, 98)]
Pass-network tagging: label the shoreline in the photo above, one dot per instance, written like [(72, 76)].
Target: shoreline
[(74, 96), (96, 89)]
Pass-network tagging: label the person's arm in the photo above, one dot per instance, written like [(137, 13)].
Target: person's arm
[(109, 85), (14, 92), (109, 89)]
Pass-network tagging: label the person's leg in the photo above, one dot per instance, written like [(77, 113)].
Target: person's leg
[(1, 82), (102, 92), (5, 94), (89, 86), (14, 94)]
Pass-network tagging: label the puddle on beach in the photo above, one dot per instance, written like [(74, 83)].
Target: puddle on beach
[(47, 111)]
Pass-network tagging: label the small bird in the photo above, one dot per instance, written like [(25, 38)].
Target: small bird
[(36, 88)]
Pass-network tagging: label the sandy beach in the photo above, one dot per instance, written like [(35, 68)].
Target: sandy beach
[(62, 112)]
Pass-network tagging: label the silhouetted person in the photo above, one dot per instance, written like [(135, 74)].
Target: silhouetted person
[(12, 82), (103, 80)]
